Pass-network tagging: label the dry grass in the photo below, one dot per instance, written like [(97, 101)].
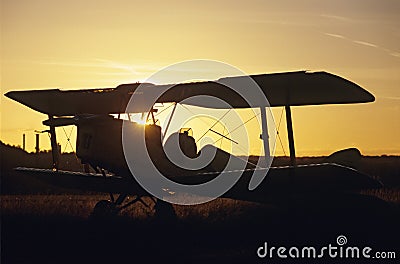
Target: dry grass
[(44, 205), (81, 206), (58, 229), (391, 195)]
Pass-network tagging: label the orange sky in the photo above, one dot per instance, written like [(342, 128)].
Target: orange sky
[(85, 44)]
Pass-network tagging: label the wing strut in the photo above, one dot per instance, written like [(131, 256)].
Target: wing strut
[(289, 126), (54, 147), (169, 120), (265, 136)]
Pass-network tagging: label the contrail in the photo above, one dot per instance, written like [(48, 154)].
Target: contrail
[(365, 43), (335, 35)]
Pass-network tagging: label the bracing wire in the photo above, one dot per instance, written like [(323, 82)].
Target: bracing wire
[(277, 132), (216, 122), (68, 139), (190, 111), (226, 133), (164, 109), (236, 128), (69, 142), (206, 123)]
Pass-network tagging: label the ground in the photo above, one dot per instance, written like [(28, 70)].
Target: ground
[(59, 229), (54, 226)]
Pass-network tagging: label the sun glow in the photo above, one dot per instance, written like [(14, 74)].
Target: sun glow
[(107, 46), (138, 118)]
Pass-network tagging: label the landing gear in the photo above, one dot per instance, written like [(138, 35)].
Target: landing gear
[(106, 209), (111, 208), (164, 211)]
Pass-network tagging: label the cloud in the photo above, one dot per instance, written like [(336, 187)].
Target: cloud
[(390, 97), (365, 43), (339, 18), (395, 54), (120, 66), (334, 35), (123, 68)]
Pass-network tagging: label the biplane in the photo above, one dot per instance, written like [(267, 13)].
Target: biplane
[(99, 138)]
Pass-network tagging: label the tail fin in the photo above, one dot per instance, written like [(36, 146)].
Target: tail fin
[(350, 157)]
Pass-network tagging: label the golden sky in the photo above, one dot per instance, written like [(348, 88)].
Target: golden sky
[(86, 44)]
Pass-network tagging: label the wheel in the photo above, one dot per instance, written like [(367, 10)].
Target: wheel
[(164, 211), (104, 209)]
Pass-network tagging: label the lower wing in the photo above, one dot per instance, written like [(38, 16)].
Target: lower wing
[(279, 181)]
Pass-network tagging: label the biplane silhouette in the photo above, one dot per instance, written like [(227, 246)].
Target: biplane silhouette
[(99, 138)]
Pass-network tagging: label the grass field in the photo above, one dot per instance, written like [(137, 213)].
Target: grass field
[(59, 229), (54, 226)]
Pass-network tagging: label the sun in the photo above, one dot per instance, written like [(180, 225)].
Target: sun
[(135, 118)]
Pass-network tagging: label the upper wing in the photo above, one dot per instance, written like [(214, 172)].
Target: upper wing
[(74, 102), (281, 89)]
